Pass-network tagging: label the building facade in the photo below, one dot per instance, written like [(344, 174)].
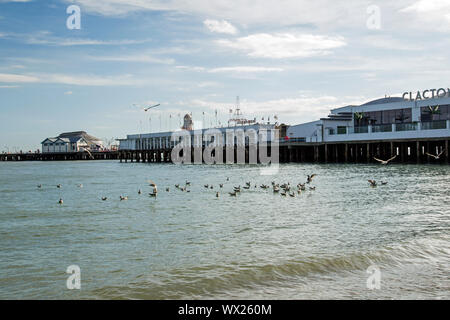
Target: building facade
[(168, 140), (68, 142), (381, 119)]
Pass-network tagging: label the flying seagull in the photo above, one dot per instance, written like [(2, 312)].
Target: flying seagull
[(437, 157), (151, 107), (310, 177), (373, 183), (385, 162)]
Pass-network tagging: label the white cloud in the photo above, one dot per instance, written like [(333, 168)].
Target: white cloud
[(68, 93), (237, 69), (291, 110), (79, 80), (244, 69), (429, 14), (424, 6), (220, 26), (54, 41), (284, 45), (17, 78), (144, 58)]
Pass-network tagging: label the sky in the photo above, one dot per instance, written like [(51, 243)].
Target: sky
[(293, 59)]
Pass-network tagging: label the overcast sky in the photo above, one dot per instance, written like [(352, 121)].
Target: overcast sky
[(291, 58)]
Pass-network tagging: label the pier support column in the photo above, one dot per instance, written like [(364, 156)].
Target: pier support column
[(368, 153), (326, 153), (316, 153), (402, 152), (446, 150), (336, 150), (346, 153), (418, 153), (392, 149)]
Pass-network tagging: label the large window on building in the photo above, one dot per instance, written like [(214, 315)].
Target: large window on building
[(435, 113), (362, 119)]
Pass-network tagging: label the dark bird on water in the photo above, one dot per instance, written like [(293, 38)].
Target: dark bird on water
[(373, 183)]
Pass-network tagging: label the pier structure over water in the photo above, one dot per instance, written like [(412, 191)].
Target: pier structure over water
[(415, 131), (60, 156)]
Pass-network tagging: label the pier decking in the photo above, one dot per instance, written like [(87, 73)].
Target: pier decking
[(407, 151), (59, 156)]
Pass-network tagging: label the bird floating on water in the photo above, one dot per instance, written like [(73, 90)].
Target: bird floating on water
[(123, 198), (59, 186), (139, 191), (233, 194), (104, 198), (385, 162), (373, 183), (60, 201), (217, 194), (80, 185), (39, 186)]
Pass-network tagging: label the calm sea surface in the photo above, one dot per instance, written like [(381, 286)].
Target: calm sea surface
[(258, 245)]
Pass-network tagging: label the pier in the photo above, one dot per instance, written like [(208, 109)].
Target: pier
[(407, 151), (60, 156)]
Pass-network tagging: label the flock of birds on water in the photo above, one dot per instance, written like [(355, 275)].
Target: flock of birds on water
[(284, 189)]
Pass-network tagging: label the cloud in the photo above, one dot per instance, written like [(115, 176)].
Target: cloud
[(79, 80), (284, 45), (68, 93), (220, 26), (66, 42), (17, 78), (244, 69), (429, 14), (236, 69), (144, 58), (424, 6), (302, 108), (287, 12)]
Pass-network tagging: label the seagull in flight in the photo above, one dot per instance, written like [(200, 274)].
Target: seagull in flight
[(148, 108), (436, 157), (385, 162)]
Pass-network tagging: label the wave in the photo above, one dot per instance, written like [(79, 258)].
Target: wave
[(201, 281)]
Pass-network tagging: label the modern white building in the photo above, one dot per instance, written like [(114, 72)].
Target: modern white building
[(408, 117), (67, 142), (167, 140)]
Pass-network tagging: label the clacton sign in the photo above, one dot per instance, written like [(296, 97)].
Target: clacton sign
[(427, 94)]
